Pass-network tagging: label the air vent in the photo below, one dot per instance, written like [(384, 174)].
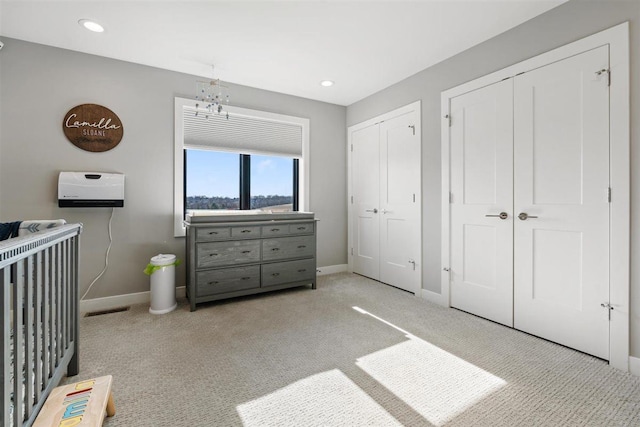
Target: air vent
[(100, 313)]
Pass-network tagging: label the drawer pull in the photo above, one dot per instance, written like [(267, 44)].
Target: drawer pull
[(246, 252), (275, 274), (215, 282), (301, 247), (246, 278), (213, 232), (246, 231), (275, 229), (302, 270), (302, 228), (275, 249), (213, 254)]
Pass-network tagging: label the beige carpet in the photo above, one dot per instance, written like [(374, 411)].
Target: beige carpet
[(309, 358)]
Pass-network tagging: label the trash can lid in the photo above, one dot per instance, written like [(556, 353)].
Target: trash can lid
[(163, 259)]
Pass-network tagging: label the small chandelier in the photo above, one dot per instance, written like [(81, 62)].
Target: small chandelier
[(212, 95)]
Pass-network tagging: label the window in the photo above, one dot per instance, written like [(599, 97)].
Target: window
[(253, 160), (216, 180), (212, 180), (272, 183)]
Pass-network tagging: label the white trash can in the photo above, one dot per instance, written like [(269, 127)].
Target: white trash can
[(161, 268)]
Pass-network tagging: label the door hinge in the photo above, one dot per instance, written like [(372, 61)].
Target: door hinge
[(351, 199), (352, 251), (413, 128), (450, 197), (607, 72), (414, 197), (609, 308), (609, 194), (448, 117), (352, 148)]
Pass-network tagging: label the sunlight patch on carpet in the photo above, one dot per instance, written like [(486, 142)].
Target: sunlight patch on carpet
[(326, 399), (435, 383)]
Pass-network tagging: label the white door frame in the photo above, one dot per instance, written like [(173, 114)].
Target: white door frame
[(618, 40), (414, 106)]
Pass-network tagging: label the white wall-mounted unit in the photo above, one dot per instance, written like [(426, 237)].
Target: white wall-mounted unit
[(90, 190)]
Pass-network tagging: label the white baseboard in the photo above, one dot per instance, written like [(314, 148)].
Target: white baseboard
[(634, 365), (108, 303), (330, 269), (434, 297)]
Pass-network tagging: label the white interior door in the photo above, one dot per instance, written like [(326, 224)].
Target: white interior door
[(365, 181), (481, 151), (561, 162), (399, 211), (385, 183)]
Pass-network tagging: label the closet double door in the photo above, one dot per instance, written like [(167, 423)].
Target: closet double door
[(385, 219), (530, 202)]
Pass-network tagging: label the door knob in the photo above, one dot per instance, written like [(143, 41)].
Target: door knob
[(501, 215), (374, 210), (523, 216)]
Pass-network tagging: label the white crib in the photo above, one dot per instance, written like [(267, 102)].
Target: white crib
[(39, 305)]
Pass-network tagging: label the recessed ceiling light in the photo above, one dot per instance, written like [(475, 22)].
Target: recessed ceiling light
[(91, 25), (326, 83)]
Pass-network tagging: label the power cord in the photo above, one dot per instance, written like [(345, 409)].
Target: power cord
[(106, 257)]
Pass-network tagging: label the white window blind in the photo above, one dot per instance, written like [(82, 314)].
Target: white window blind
[(241, 133)]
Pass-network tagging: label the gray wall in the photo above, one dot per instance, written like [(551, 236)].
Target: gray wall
[(564, 24), (1, 108), (40, 84)]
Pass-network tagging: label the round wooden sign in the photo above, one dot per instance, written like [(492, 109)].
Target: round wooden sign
[(92, 127)]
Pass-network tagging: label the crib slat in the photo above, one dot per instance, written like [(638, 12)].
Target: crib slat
[(63, 298), (67, 297), (28, 336), (74, 365), (18, 346), (37, 338), (59, 342), (69, 300), (46, 313), (52, 316), (54, 307), (5, 388)]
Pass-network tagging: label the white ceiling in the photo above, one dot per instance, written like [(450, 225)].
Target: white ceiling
[(283, 46)]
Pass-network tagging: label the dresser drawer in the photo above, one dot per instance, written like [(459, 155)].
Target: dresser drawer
[(306, 228), (245, 232), (288, 247), (217, 254), (212, 234), (287, 272), (275, 230), (228, 280)]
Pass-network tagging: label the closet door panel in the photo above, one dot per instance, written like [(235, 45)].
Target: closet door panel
[(365, 178), (482, 189), (400, 202), (561, 163)]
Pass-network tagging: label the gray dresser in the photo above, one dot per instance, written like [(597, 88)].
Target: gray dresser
[(230, 255)]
